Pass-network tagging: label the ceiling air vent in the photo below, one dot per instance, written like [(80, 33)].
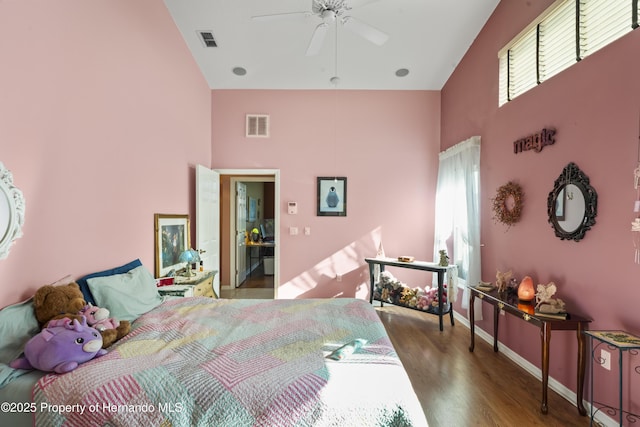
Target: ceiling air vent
[(257, 126), (207, 39)]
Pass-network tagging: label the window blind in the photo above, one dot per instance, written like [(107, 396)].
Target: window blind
[(601, 22), (565, 33), (557, 48), (523, 73)]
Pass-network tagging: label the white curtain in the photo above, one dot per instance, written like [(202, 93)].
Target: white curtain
[(457, 221)]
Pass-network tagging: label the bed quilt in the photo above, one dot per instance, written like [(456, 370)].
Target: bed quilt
[(204, 362)]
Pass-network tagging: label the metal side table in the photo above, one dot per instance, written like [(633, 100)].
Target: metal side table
[(622, 342)]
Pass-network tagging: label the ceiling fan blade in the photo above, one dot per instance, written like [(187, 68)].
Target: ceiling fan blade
[(317, 39), (279, 16), (370, 33)]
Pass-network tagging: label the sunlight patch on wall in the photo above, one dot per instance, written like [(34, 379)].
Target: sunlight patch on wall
[(343, 274)]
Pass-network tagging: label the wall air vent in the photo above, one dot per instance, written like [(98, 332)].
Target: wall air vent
[(207, 38), (257, 126)]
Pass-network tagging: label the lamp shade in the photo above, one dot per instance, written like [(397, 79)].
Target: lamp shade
[(189, 256)]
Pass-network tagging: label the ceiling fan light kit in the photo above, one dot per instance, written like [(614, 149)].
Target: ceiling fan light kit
[(329, 11)]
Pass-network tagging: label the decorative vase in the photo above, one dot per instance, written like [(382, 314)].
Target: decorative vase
[(525, 289)]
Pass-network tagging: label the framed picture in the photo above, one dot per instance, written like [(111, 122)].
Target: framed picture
[(253, 209), (172, 237), (332, 196)]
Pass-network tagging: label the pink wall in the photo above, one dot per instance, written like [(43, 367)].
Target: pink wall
[(103, 114), (385, 142), (595, 108)]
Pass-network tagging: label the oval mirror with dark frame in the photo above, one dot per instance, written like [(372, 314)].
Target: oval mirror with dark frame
[(11, 211), (572, 204)]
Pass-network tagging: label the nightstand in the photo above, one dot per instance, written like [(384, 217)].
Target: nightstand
[(199, 285)]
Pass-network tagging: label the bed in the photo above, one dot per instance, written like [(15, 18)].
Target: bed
[(203, 362)]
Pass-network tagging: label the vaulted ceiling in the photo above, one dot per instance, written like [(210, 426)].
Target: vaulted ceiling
[(427, 38)]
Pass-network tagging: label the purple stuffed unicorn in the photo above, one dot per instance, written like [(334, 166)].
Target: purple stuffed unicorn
[(61, 347)]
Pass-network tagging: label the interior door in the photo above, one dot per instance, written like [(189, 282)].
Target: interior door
[(241, 229), (208, 220)]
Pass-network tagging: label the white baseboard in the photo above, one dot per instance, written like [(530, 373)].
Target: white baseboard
[(536, 372)]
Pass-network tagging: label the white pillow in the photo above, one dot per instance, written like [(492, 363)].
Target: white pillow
[(127, 296)]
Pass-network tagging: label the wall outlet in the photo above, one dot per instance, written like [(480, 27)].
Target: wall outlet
[(605, 359), (293, 231)]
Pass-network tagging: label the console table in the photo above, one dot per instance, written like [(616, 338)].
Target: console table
[(441, 309), (525, 311), (622, 342)]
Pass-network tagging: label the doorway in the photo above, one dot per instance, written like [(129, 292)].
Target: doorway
[(248, 269)]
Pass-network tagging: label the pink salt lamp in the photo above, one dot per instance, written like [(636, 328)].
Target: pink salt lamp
[(525, 290)]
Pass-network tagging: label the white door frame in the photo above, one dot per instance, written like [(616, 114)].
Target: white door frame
[(261, 173)]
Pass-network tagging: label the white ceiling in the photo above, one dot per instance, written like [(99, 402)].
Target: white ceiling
[(427, 37)]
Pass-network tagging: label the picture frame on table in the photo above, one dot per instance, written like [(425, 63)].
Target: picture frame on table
[(172, 237), (332, 196)]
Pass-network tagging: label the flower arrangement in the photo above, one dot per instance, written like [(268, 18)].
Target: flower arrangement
[(391, 290), (509, 193)]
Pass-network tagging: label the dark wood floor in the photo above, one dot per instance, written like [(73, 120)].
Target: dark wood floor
[(258, 280), (459, 388)]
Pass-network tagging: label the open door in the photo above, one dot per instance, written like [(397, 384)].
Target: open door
[(208, 220), (241, 230)]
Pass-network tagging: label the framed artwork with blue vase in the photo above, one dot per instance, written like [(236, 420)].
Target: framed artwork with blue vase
[(332, 196)]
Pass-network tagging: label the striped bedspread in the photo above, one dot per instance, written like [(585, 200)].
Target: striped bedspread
[(204, 362)]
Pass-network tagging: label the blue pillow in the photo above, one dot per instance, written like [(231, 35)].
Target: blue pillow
[(84, 286)]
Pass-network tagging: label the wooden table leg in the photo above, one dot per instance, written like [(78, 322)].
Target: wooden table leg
[(472, 320), (545, 336), (496, 316), (582, 361)]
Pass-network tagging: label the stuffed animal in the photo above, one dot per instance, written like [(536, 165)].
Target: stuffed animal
[(111, 329), (58, 302), (61, 347)]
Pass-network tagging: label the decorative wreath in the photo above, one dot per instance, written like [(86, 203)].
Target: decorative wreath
[(500, 210)]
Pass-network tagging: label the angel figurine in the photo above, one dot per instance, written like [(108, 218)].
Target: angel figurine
[(544, 301)]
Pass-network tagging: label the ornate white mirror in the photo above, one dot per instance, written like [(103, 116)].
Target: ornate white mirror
[(572, 204), (11, 211)]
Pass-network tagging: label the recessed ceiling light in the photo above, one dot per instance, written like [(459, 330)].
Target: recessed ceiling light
[(401, 72), (239, 71)]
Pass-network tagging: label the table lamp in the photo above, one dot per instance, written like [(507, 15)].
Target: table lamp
[(189, 256)]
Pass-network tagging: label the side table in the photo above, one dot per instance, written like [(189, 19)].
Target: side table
[(198, 285), (622, 342)]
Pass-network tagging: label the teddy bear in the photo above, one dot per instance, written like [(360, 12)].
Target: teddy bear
[(110, 328), (57, 302)]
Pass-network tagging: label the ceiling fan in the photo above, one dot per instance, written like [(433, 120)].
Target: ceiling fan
[(330, 11)]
